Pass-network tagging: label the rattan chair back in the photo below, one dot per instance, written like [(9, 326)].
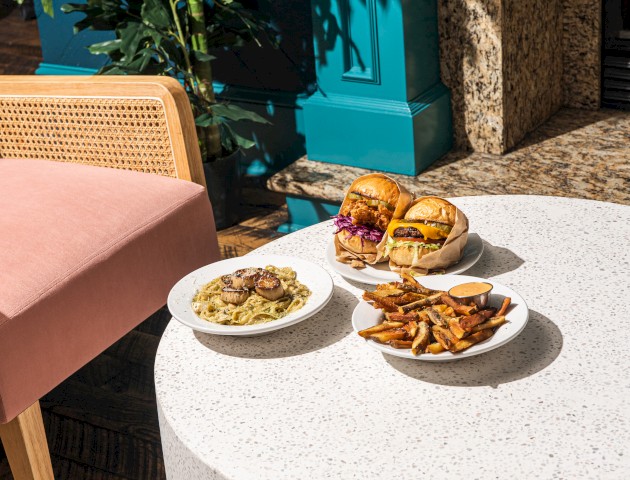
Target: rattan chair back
[(135, 123)]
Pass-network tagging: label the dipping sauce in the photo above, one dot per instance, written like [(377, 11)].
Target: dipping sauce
[(470, 289)]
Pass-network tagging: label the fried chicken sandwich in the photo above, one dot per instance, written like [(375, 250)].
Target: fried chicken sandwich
[(371, 202)]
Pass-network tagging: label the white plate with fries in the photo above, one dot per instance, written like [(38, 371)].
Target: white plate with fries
[(314, 277), (380, 273), (366, 316)]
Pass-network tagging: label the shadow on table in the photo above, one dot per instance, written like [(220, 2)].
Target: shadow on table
[(494, 261), (328, 326), (538, 345)]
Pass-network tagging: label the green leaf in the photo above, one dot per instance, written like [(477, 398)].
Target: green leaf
[(105, 47), (203, 57), (131, 35), (48, 8), (243, 142), (155, 13), (206, 120), (73, 7), (236, 113)]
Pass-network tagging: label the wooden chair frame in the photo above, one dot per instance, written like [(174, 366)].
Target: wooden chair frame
[(21, 101)]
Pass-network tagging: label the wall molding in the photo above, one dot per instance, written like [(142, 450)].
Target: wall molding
[(353, 70), (379, 105)]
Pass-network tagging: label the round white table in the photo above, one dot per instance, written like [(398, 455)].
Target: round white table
[(314, 401)]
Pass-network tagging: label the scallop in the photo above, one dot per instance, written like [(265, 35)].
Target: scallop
[(246, 277), (269, 287), (233, 295)]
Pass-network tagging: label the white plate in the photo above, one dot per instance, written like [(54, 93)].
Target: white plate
[(380, 273), (313, 276), (365, 316)]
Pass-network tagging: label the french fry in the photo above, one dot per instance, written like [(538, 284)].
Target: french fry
[(402, 317), (401, 343), (423, 316), (437, 318), (412, 297), (440, 307), (449, 312), (388, 292), (430, 300), (458, 307), (380, 327), (468, 342), (411, 328), (435, 348), (444, 337), (384, 302), (421, 341), (471, 321), (504, 306), (412, 281), (488, 312), (388, 335), (456, 328), (493, 322)]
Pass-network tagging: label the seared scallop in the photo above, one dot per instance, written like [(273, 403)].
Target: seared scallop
[(269, 287), (234, 295), (246, 277)]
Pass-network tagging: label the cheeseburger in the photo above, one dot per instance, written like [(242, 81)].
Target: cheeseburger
[(423, 230), (370, 204)]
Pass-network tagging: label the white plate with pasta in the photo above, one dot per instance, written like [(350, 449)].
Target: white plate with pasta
[(196, 299)]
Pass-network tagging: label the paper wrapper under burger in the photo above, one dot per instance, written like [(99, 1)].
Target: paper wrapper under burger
[(344, 256), (450, 253)]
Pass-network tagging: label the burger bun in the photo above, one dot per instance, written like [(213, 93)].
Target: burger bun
[(403, 256), (356, 244), (379, 187), (432, 209)]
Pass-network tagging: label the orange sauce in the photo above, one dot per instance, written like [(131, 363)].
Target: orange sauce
[(470, 289)]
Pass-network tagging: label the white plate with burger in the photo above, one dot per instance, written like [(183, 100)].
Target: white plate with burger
[(381, 273), (366, 316), (431, 236)]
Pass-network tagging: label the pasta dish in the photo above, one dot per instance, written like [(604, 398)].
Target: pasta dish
[(250, 296)]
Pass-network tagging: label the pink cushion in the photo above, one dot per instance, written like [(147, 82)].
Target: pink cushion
[(86, 253)]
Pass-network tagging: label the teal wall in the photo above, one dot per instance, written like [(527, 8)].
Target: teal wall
[(380, 103)]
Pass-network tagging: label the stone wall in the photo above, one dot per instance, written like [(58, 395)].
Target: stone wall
[(581, 45), (511, 64), (532, 65)]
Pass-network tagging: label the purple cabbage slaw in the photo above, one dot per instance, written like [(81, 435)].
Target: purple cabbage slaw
[(343, 222)]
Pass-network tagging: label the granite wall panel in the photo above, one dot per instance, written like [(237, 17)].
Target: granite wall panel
[(532, 65), (581, 46), (471, 58), (511, 64)]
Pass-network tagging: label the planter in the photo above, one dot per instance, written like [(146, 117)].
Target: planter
[(223, 178)]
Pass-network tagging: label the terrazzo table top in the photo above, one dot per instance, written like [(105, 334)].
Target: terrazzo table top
[(314, 401)]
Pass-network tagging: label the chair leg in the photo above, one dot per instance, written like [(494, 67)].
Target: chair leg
[(24, 441)]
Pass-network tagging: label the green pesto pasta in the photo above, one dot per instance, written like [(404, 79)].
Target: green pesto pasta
[(207, 303)]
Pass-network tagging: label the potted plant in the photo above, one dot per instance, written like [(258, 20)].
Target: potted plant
[(177, 38)]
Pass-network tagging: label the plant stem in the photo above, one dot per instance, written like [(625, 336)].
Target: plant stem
[(203, 71)]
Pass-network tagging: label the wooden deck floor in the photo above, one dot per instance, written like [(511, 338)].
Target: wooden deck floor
[(102, 422)]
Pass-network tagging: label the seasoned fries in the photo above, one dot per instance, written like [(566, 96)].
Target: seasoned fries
[(429, 321)]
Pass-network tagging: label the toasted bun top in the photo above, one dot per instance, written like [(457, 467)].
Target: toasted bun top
[(376, 186), (432, 209)]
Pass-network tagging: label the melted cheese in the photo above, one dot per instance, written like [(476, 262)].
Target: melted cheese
[(426, 230)]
